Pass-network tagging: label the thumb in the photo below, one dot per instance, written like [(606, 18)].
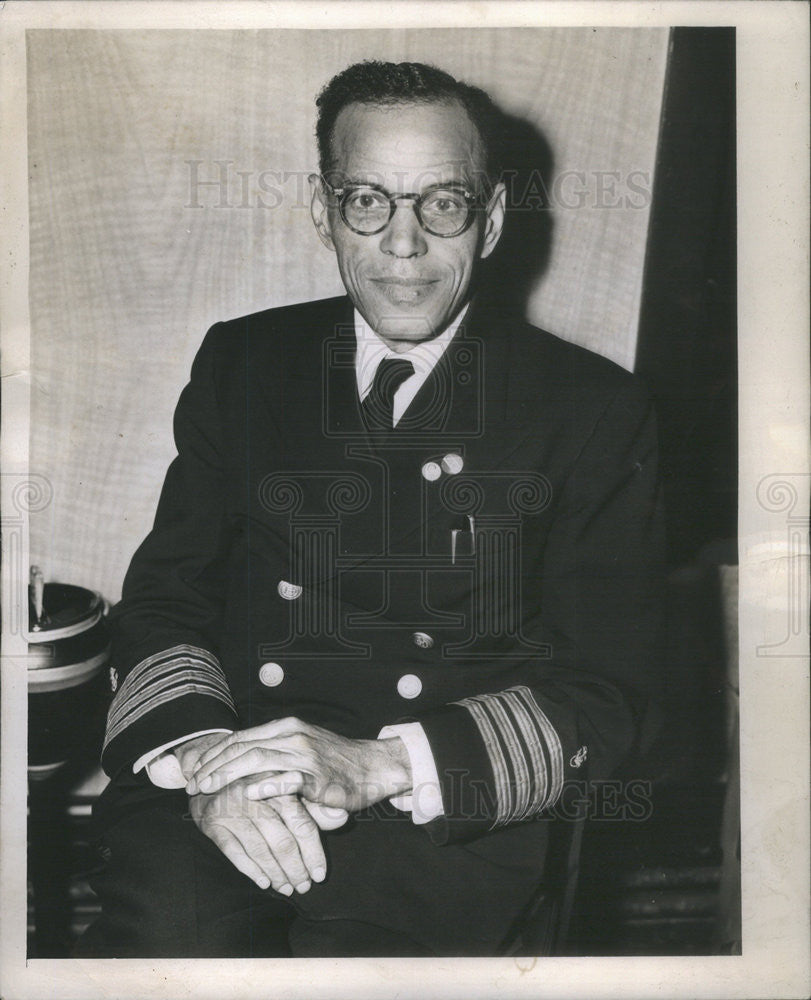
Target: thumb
[(326, 817)]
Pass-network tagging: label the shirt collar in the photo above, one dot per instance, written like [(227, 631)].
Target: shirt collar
[(371, 350)]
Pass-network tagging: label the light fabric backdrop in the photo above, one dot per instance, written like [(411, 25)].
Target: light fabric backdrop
[(130, 262)]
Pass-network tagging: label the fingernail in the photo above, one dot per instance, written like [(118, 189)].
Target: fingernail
[(191, 787), (263, 882), (319, 874), (303, 886), (205, 784), (286, 889)]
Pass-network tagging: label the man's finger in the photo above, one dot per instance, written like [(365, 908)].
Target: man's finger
[(232, 848), (274, 783), (283, 845), (308, 837), (230, 745), (268, 847), (278, 727), (189, 753), (268, 730), (239, 760)]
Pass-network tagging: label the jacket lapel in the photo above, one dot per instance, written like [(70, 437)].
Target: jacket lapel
[(460, 409)]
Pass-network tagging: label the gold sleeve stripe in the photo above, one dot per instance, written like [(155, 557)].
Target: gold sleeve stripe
[(536, 787), (172, 673), (142, 700), (524, 750), (551, 742), (522, 783), (131, 697), (497, 761)]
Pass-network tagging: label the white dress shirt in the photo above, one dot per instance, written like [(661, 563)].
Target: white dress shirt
[(371, 350), (424, 802)]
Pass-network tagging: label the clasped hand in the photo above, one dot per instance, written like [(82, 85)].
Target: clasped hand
[(291, 757), (262, 794)]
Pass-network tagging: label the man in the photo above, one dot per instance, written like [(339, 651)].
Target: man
[(401, 587)]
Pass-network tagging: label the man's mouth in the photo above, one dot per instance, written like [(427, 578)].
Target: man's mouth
[(401, 291), (404, 282)]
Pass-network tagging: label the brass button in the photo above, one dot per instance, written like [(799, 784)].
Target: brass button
[(289, 591), (271, 674), (423, 640), (431, 471), (409, 686), (453, 464)]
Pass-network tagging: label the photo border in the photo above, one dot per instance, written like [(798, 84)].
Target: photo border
[(773, 225)]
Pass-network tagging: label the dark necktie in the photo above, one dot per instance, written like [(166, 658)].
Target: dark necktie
[(378, 407)]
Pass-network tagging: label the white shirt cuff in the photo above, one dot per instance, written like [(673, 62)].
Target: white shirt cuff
[(425, 799), (162, 768)]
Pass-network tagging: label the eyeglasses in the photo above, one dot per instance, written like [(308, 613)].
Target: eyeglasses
[(442, 210)]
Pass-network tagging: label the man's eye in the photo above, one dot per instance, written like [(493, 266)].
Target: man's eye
[(365, 200), (444, 204)]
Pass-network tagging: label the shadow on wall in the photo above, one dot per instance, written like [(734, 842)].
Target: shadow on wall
[(523, 252)]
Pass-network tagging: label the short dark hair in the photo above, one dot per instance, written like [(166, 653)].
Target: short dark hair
[(374, 82)]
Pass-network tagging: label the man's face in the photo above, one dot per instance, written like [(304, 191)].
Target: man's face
[(407, 283)]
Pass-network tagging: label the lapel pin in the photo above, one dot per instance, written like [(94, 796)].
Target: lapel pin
[(453, 464), (289, 591)]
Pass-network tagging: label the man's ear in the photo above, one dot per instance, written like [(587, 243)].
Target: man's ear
[(319, 210), (496, 209)]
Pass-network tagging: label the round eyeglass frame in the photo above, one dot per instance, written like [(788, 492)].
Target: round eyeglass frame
[(473, 204)]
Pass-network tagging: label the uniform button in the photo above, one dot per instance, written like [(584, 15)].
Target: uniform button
[(431, 471), (423, 640), (453, 464), (289, 591), (409, 686), (271, 674)]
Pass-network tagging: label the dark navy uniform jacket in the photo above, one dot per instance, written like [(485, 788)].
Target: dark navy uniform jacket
[(301, 566)]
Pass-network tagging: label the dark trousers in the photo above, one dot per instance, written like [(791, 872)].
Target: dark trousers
[(167, 891)]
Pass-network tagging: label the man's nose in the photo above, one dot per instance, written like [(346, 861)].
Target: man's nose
[(404, 237)]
